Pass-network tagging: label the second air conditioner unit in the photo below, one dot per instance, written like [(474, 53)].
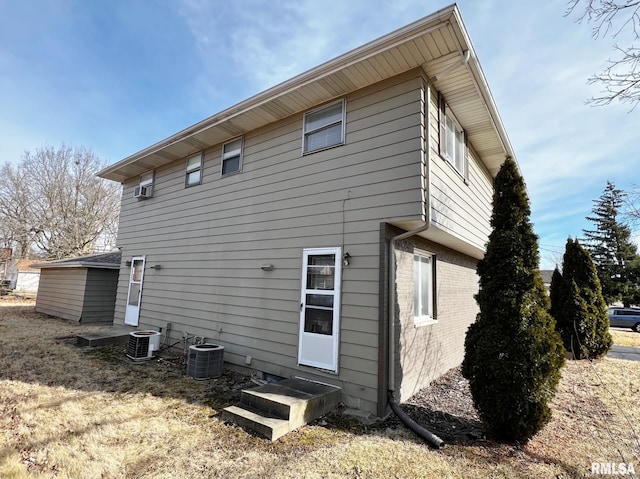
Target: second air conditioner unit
[(143, 345), (205, 361), (143, 191)]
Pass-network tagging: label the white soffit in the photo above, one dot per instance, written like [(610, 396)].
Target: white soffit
[(435, 43)]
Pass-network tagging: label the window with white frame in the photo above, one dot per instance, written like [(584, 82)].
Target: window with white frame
[(194, 170), (452, 140), (232, 157), (324, 127), (145, 186), (423, 287)]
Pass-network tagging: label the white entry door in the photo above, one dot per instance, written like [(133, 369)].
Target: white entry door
[(320, 308), (132, 312)]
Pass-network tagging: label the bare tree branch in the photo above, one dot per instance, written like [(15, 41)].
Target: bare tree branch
[(631, 212), (621, 78), (54, 202)]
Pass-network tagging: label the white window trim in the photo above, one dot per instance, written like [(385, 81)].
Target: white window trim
[(148, 180), (306, 133), (226, 156), (426, 320), (188, 170), (445, 112)]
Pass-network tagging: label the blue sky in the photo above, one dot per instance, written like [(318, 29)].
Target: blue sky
[(117, 76)]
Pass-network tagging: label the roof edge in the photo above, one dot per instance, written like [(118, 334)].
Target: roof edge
[(80, 264), (282, 88)]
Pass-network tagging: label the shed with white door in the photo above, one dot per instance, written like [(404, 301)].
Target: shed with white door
[(81, 289)]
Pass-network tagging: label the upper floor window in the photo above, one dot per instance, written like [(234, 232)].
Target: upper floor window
[(232, 157), (194, 170), (145, 186), (324, 127), (452, 140)]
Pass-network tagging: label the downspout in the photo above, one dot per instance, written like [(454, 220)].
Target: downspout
[(428, 436)]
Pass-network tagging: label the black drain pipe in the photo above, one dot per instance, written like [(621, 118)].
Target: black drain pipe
[(433, 440), (428, 436)]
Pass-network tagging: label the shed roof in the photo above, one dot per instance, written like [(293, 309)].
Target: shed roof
[(26, 265), (103, 261), (436, 43)]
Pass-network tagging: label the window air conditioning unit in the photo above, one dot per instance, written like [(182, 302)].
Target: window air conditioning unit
[(143, 345), (143, 191), (205, 361)]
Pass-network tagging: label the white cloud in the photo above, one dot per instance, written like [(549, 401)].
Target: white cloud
[(180, 62), (257, 44)]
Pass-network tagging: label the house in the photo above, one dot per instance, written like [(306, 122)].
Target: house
[(80, 289), (291, 227), (27, 278), (16, 275), (5, 263), (547, 276)]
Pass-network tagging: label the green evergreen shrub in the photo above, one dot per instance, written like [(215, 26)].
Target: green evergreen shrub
[(513, 353), (555, 293), (579, 307)]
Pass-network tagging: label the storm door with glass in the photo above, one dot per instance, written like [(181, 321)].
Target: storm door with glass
[(320, 308), (132, 311)]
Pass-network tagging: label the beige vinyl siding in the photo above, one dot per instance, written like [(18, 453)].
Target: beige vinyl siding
[(211, 239), (79, 294), (459, 207), (99, 295), (61, 292)]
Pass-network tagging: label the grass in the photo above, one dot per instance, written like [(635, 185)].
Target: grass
[(625, 337), (74, 413)]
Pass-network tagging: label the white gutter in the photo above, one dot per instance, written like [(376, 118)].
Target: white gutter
[(81, 264), (331, 67), (425, 434), (407, 234)]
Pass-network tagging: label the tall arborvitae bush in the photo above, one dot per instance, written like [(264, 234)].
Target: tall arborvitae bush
[(555, 293), (579, 307), (513, 353)]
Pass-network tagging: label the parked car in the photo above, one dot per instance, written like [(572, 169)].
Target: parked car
[(624, 318)]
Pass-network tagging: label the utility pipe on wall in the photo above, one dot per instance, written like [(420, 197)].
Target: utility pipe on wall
[(431, 438)]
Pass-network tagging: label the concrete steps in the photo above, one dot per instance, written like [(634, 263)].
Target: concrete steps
[(103, 338), (273, 410)]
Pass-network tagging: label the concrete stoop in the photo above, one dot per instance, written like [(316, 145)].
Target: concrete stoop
[(273, 410), (103, 338)]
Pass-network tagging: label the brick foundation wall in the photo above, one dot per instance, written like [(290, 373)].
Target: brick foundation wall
[(424, 353)]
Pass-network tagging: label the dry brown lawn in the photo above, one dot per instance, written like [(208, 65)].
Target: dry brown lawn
[(625, 337), (67, 412)]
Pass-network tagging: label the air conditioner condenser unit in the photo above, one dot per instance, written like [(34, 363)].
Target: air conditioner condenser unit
[(205, 361), (143, 345)]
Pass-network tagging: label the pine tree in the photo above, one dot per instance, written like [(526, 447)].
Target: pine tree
[(555, 293), (613, 253), (513, 354), (579, 307)]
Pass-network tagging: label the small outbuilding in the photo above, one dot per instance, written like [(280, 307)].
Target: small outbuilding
[(81, 289), (26, 278)]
